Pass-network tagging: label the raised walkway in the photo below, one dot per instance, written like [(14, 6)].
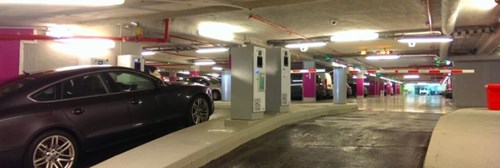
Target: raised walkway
[(465, 138), (197, 145)]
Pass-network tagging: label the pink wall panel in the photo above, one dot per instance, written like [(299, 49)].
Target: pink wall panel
[(10, 54)]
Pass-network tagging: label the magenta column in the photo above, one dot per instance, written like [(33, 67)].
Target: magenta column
[(309, 87), (195, 71), (10, 54), (360, 91), (309, 82)]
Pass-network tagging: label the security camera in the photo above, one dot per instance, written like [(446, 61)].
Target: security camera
[(333, 21)]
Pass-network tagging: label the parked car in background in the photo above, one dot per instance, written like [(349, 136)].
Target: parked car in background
[(423, 91), (213, 83), (48, 118), (296, 88)]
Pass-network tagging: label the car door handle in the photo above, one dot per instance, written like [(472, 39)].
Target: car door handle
[(136, 101), (78, 111)]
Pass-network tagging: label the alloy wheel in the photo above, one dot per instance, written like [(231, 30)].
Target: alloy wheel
[(54, 152), (200, 111)]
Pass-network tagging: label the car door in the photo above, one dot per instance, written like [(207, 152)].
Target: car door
[(99, 115), (146, 101)]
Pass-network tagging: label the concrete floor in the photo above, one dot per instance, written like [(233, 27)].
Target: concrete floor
[(389, 132)]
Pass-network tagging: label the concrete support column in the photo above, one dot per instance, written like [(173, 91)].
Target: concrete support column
[(372, 88), (381, 87), (309, 83), (360, 85), (172, 75), (340, 82), (195, 71), (226, 85)]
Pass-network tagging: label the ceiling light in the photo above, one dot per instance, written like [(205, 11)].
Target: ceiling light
[(148, 53), (482, 4), (411, 77), (65, 2), (302, 45), (211, 50), (204, 62), (436, 39), (363, 52), (220, 31), (217, 68), (354, 36), (382, 57), (335, 64)]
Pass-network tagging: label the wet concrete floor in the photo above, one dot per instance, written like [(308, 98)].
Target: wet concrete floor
[(393, 132)]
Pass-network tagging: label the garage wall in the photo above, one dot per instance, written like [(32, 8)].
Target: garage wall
[(468, 89), (44, 55)]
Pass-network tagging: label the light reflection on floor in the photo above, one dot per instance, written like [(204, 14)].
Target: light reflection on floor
[(405, 103)]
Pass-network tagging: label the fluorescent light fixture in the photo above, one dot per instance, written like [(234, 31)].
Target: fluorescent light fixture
[(184, 72), (148, 53), (220, 31), (373, 75), (65, 2), (382, 57), (354, 36), (211, 50), (335, 64), (435, 39), (356, 77), (204, 63), (448, 62), (481, 4), (217, 68), (301, 45), (411, 77)]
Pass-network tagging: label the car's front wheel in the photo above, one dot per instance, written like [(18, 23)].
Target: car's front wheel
[(52, 149), (199, 111)]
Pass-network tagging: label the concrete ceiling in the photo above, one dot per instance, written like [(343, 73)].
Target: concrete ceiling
[(310, 18)]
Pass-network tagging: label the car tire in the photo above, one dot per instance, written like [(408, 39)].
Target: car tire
[(216, 95), (198, 111), (52, 147)]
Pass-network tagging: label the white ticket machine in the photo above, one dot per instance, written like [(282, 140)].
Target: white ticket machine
[(278, 80), (248, 82)]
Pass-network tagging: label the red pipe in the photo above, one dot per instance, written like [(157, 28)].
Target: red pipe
[(291, 32), (166, 30), (429, 15), (122, 38)]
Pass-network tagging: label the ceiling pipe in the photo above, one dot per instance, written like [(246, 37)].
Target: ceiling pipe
[(281, 28), (449, 14), (429, 15), (165, 38)]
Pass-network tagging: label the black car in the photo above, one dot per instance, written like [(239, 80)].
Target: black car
[(213, 83), (48, 118)]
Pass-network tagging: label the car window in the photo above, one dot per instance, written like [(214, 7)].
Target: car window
[(87, 85), (128, 81), (10, 87), (47, 94)]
